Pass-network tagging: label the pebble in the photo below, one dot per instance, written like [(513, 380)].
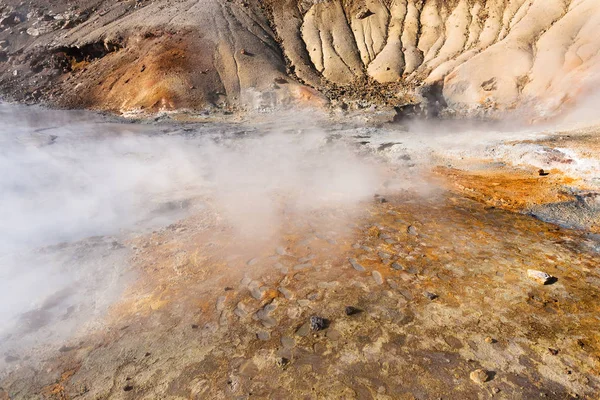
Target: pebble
[(246, 281), (240, 310), (349, 310), (397, 266), (411, 230), (286, 293), (287, 342), (489, 339), (378, 278), (263, 335), (257, 293), (220, 303), (430, 296), (252, 261), (282, 362), (307, 258), (356, 265), (479, 376), (280, 250), (317, 323), (302, 266), (540, 277), (303, 330)]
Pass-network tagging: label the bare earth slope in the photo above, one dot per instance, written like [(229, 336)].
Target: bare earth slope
[(140, 55)]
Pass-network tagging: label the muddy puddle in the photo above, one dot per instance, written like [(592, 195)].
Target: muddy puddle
[(145, 261)]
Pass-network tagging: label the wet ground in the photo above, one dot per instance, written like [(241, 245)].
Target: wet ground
[(433, 263)]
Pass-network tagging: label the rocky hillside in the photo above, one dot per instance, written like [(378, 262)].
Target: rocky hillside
[(463, 56)]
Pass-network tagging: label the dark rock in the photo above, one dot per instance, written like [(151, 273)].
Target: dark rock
[(430, 296), (364, 14), (282, 362), (318, 323), (553, 351), (351, 310)]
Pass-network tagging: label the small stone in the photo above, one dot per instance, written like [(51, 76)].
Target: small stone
[(553, 351), (281, 251), (489, 339), (280, 81), (288, 342), (317, 323), (303, 330), (302, 266), (430, 296), (362, 14), (377, 276), (541, 172), (397, 266), (349, 310), (479, 376), (356, 265), (411, 230), (220, 303), (540, 277), (286, 293), (282, 362), (252, 261), (495, 390), (263, 335)]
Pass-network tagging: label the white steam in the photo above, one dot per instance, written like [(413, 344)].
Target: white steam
[(74, 187)]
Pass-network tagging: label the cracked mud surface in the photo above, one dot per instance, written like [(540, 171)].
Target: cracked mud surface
[(438, 279)]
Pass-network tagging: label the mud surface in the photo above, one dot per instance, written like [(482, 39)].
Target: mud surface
[(434, 263)]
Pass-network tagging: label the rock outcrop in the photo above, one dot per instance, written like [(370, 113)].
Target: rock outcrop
[(483, 55)]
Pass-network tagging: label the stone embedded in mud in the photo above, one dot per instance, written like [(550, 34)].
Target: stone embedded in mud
[(540, 277), (479, 376), (430, 296), (282, 362), (351, 310), (317, 323), (362, 14), (356, 265), (411, 230), (397, 266), (378, 278), (263, 335)]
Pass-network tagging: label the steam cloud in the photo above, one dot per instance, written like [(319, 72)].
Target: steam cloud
[(74, 186)]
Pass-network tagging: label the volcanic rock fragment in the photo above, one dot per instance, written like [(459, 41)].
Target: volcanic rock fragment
[(317, 323), (351, 310), (540, 277), (479, 376)]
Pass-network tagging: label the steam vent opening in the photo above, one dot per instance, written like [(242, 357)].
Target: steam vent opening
[(299, 199)]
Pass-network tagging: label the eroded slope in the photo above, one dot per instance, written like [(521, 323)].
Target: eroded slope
[(163, 55)]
